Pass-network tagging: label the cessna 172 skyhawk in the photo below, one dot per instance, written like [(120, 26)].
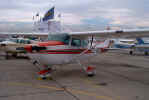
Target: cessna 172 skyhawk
[(73, 47)]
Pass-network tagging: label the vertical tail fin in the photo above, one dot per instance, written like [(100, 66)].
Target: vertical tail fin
[(103, 47), (106, 44), (140, 40)]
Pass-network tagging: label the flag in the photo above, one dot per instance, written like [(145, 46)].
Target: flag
[(49, 14), (33, 17), (59, 15)]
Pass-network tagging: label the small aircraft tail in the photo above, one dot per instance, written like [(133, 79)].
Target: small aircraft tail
[(140, 41), (106, 44)]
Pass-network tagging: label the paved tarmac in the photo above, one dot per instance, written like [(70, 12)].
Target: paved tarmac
[(119, 77)]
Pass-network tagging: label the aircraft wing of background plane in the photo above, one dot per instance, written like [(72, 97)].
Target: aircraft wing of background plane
[(25, 34), (108, 33)]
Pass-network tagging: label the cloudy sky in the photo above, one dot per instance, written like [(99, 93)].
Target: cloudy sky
[(94, 13)]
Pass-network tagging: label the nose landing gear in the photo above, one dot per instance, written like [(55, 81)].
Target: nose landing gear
[(45, 74), (90, 71)]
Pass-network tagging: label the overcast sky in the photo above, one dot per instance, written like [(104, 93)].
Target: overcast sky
[(132, 13)]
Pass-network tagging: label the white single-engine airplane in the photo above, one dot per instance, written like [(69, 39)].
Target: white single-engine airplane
[(73, 47)]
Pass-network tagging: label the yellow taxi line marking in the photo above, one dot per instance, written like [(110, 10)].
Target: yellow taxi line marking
[(55, 88), (51, 87), (89, 82), (40, 86), (90, 94)]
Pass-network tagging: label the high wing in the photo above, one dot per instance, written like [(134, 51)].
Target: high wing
[(24, 34), (104, 33), (111, 33)]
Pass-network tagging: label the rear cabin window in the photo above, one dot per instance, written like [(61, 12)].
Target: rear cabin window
[(23, 41)]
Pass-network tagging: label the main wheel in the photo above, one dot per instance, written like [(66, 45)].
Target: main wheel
[(90, 71), (131, 52), (7, 56), (91, 74), (14, 55), (146, 53)]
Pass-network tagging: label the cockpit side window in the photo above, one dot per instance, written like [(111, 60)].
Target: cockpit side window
[(67, 39), (76, 42)]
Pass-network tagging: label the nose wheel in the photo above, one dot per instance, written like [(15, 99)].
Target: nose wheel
[(90, 71), (131, 52), (45, 74)]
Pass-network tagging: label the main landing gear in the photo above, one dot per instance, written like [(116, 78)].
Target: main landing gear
[(145, 53), (90, 70), (44, 72)]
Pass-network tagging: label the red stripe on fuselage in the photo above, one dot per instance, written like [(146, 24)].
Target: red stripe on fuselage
[(79, 50), (65, 51), (51, 43)]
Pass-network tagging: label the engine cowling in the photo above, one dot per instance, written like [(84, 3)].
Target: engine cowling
[(30, 48)]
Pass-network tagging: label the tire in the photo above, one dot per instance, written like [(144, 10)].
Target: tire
[(91, 74), (7, 56), (146, 53), (131, 52), (14, 55)]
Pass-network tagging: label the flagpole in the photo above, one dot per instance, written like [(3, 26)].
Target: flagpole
[(34, 23)]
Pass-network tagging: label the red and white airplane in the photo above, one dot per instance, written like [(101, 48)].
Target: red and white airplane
[(73, 47)]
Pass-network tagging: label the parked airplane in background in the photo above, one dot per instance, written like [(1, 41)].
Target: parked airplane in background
[(123, 43), (140, 46), (9, 46)]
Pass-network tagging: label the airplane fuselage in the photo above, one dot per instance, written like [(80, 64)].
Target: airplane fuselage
[(60, 54)]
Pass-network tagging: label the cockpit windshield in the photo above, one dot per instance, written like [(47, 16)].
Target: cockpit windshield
[(66, 39), (59, 37)]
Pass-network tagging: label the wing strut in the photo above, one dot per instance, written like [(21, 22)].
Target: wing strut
[(92, 41)]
